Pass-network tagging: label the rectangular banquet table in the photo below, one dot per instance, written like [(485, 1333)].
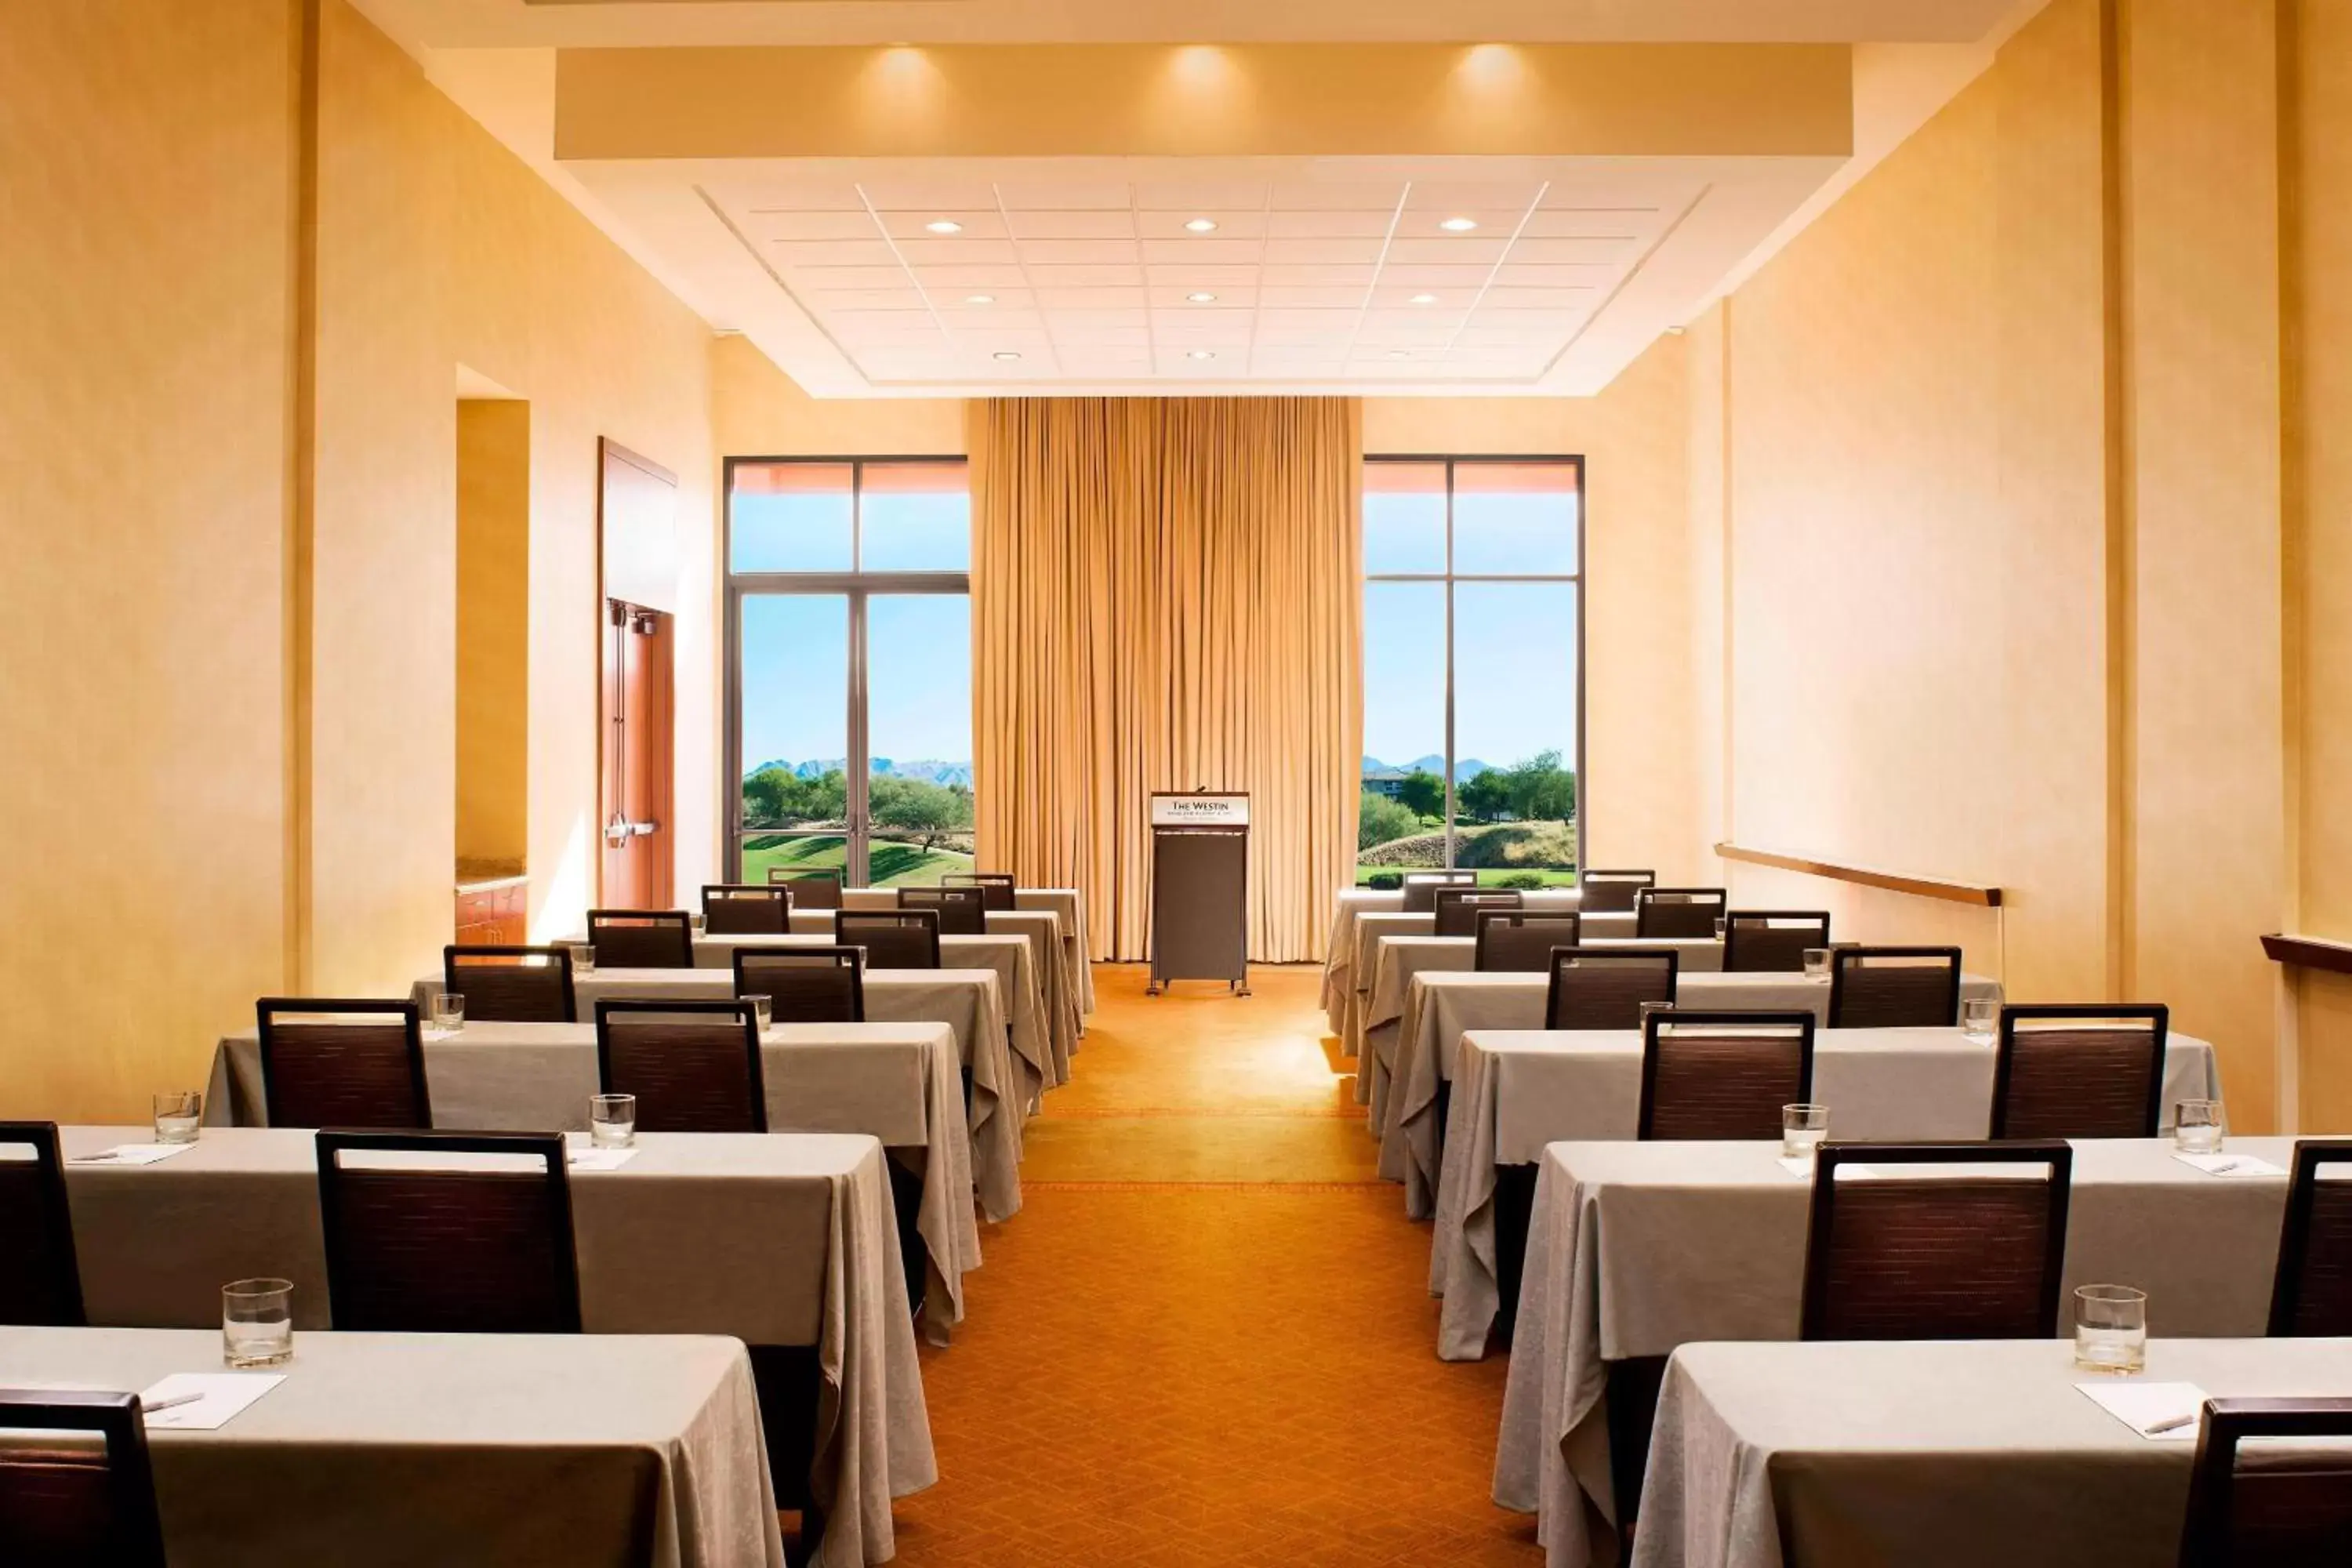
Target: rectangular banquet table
[(1366, 929), (896, 1082), (1955, 1454), (1637, 1248), (1516, 1091), (1443, 1006), (457, 1450), (773, 1239), (1068, 906)]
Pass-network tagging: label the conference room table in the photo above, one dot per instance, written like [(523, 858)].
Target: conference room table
[(1443, 1006), (771, 1239), (1635, 1249), (1068, 905), (392, 1450), (900, 1083), (1346, 966), (1952, 1454), (1518, 1090)]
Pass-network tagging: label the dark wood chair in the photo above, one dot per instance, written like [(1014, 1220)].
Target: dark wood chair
[(1421, 887), (1899, 1256), (962, 911), (1459, 909), (2292, 1509), (810, 890), (2080, 1071), (2310, 1296), (1596, 989), (804, 984), (998, 890), (66, 1504), (1679, 914), (369, 1072), (1722, 1075), (40, 1287), (694, 1065), (641, 939), (893, 939), (1611, 892), (414, 1249), (1895, 987), (505, 984), (1772, 942), (746, 909), (1519, 942)]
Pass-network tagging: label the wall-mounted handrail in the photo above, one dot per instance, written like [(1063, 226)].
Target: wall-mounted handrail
[(2310, 952), (1919, 887)]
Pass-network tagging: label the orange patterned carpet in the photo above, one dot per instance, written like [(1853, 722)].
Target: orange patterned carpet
[(1207, 1337)]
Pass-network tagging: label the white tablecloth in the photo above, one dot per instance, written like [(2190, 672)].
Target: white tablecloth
[(1517, 1091), (773, 1239), (1637, 1248), (1442, 1005), (1069, 904), (455, 1450), (1956, 1453), (1346, 975), (896, 1082)]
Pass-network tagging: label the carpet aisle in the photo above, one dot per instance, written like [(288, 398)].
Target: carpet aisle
[(1207, 1337)]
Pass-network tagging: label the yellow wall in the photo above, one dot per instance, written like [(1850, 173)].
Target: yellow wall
[(493, 634)]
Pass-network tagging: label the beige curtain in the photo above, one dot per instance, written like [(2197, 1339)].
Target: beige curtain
[(1165, 596)]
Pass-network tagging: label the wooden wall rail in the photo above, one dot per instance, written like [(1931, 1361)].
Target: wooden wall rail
[(2310, 952), (1919, 887)]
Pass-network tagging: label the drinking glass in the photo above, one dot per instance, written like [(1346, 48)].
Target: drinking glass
[(177, 1116), (1817, 964), (2111, 1329), (612, 1120), (1802, 1128), (1719, 923), (1648, 1008), (2196, 1127), (1980, 1018), (762, 1009), (583, 958), (449, 1012), (257, 1323)]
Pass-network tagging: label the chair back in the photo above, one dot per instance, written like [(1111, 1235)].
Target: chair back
[(1722, 1075), (1459, 909), (319, 1072), (810, 890), (2280, 1505), (67, 1504), (893, 939), (962, 911), (2310, 1296), (641, 939), (418, 1246), (510, 984), (746, 909), (1611, 892), (2079, 1071), (1421, 887), (1592, 988), (1679, 914), (41, 1286), (694, 1067), (1519, 942), (1919, 1257), (1771, 942), (1895, 987), (998, 890), (804, 984)]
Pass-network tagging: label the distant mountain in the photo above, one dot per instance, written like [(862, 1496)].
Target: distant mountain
[(934, 772), (1468, 768)]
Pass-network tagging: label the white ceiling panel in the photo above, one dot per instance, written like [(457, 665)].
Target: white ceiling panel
[(1324, 252), (1077, 252), (1084, 277), (831, 252), (969, 225), (1071, 222)]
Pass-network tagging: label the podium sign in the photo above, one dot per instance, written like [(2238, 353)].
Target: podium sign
[(1200, 890)]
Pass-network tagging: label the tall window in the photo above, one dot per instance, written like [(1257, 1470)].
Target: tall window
[(849, 701), (1474, 689)]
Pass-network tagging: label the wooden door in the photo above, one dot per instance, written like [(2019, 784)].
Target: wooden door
[(635, 796)]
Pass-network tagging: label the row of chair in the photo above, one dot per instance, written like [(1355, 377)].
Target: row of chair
[(1661, 914), (1599, 892), (1511, 937), (822, 890), (1870, 987)]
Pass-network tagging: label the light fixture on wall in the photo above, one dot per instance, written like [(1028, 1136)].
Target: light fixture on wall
[(944, 226), (1202, 298), (1458, 225), (1203, 225)]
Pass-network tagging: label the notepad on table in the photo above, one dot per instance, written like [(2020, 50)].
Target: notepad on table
[(221, 1397), (132, 1154), (2160, 1412), (2230, 1164)]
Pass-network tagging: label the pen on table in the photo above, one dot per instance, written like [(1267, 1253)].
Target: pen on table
[(93, 1159), (2223, 1169), (149, 1407), (2169, 1424)]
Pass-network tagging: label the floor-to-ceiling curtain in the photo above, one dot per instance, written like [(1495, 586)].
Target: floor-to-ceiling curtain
[(1166, 596)]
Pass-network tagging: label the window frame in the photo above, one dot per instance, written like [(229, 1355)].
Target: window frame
[(1580, 579)]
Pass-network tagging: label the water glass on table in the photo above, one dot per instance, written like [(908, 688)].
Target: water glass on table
[(762, 1009), (2196, 1127), (449, 1012), (583, 958), (1817, 964), (1802, 1129), (1980, 1019), (612, 1120), (257, 1323), (2111, 1329), (1649, 1010), (178, 1116)]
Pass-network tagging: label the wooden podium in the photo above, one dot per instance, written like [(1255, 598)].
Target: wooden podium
[(1200, 890)]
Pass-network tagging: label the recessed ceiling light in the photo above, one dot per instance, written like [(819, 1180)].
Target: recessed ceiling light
[(944, 226), (1424, 299), (1203, 225), (1007, 353), (1203, 298), (979, 299), (1202, 353), (1458, 225), (1399, 353)]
